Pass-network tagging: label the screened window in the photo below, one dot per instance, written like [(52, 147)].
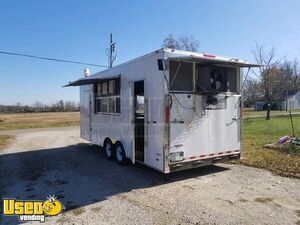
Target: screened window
[(104, 88), (107, 96), (112, 105), (111, 87), (181, 76), (98, 89), (104, 105)]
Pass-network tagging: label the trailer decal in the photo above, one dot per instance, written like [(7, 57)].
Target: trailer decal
[(215, 155)]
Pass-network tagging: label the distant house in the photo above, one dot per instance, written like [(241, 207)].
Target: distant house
[(261, 105), (292, 101)]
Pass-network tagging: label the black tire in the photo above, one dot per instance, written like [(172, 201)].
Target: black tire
[(120, 153), (108, 149)]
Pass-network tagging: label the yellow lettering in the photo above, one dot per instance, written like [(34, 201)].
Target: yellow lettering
[(19, 208), (13, 207), (38, 208), (8, 206), (28, 207)]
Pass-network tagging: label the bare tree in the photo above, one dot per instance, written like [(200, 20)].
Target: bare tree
[(296, 73), (250, 92), (184, 42), (170, 41), (70, 106), (18, 107), (268, 74), (291, 72), (61, 105), (38, 106)]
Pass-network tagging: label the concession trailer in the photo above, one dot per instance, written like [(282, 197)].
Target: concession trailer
[(170, 109)]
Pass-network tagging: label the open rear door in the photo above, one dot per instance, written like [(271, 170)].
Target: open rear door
[(85, 112)]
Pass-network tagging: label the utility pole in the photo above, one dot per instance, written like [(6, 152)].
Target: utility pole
[(112, 49)]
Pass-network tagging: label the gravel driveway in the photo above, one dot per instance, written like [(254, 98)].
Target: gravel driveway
[(96, 191)]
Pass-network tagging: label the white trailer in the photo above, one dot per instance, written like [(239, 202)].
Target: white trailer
[(170, 110)]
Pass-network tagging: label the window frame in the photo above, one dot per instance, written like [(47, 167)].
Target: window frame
[(115, 94), (193, 77), (195, 63)]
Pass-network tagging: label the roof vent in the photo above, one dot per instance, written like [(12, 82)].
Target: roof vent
[(209, 55), (86, 72)]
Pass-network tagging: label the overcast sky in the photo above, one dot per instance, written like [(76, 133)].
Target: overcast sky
[(79, 30)]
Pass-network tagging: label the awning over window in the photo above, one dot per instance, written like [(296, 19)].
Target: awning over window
[(215, 60), (90, 80)]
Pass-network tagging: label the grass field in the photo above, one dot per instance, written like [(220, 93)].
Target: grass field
[(4, 140), (258, 132), (38, 120), (250, 112)]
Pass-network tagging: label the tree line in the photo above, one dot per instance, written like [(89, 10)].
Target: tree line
[(273, 81), (59, 106)]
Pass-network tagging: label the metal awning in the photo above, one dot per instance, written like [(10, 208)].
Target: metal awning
[(90, 80), (215, 60)]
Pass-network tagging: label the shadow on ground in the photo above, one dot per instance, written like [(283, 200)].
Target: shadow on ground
[(79, 175)]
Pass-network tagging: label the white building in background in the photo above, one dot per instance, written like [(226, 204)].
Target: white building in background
[(292, 101)]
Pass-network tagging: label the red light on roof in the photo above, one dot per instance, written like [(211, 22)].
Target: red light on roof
[(209, 55)]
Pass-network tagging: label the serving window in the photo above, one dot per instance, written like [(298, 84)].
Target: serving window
[(202, 78), (212, 78), (107, 96), (181, 76)]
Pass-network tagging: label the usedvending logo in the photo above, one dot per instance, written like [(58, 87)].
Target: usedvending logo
[(32, 210)]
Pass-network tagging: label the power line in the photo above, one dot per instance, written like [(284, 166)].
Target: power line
[(51, 59)]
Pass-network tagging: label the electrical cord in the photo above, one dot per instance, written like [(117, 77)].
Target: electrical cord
[(50, 59), (177, 101)]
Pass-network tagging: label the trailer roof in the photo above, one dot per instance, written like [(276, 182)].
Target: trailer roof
[(207, 58), (174, 54)]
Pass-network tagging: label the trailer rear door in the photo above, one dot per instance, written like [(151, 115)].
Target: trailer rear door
[(224, 132), (85, 112)]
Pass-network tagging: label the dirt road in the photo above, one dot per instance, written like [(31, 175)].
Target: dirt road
[(96, 191)]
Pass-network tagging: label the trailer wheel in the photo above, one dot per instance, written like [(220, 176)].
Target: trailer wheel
[(120, 153), (108, 149)]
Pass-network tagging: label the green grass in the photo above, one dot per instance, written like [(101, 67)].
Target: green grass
[(4, 140), (250, 112), (38, 120), (258, 132)]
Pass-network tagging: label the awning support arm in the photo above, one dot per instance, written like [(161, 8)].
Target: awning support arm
[(249, 68)]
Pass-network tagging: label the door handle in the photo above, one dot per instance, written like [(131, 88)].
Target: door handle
[(235, 118)]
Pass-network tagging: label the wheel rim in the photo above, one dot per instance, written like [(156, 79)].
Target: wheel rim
[(119, 154), (108, 150)]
